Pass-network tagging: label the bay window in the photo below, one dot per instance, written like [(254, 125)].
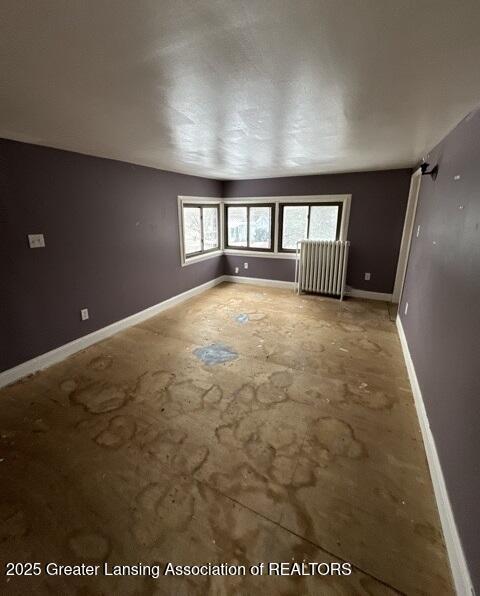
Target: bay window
[(258, 226)]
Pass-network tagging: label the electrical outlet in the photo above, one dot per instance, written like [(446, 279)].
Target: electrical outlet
[(245, 265), (367, 276), (406, 308), (36, 241), (84, 314), (418, 231), (236, 269)]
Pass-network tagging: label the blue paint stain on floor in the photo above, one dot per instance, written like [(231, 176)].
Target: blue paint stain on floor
[(215, 354), (242, 318)]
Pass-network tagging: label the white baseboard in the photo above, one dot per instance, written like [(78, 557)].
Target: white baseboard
[(368, 295), (276, 283), (256, 281), (45, 360), (461, 576)]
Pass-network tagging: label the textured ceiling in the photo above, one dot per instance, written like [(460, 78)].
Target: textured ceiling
[(239, 89)]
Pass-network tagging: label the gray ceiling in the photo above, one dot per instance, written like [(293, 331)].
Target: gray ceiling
[(239, 89)]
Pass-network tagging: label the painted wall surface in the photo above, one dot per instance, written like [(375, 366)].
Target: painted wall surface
[(260, 267), (112, 245), (442, 326), (111, 232), (379, 201)]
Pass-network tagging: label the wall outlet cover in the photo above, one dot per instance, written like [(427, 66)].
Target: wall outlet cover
[(245, 265), (84, 314), (367, 276), (36, 241)]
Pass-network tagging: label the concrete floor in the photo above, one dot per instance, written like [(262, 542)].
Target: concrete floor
[(304, 446)]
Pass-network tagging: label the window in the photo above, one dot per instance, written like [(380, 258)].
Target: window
[(314, 221), (266, 226), (200, 229), (249, 227)]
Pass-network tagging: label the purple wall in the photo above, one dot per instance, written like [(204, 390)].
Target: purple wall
[(112, 243), (443, 322), (111, 233), (261, 267), (377, 213)]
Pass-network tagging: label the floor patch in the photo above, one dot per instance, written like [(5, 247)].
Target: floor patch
[(242, 318), (215, 354)]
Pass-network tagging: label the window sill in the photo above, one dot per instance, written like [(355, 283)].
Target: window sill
[(238, 253), (260, 253), (203, 257)]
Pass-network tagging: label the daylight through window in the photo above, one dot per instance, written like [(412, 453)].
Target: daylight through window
[(200, 229), (308, 221), (272, 225), (249, 227)]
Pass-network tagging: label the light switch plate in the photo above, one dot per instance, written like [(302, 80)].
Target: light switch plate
[(36, 241), (84, 314)]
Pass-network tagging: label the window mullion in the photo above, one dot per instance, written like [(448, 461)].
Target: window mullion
[(225, 224), (280, 226)]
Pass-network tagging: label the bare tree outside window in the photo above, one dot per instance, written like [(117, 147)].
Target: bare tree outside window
[(210, 228), (309, 222), (201, 231), (260, 227), (192, 230), (237, 226), (323, 222), (295, 222), (249, 227)]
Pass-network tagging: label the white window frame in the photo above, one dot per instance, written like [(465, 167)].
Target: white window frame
[(201, 201), (345, 199)]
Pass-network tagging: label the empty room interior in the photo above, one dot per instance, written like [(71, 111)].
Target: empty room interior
[(239, 291)]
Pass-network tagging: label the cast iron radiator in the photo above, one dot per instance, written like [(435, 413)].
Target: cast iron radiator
[(321, 266)]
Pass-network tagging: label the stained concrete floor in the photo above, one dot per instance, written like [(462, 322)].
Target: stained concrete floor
[(304, 446)]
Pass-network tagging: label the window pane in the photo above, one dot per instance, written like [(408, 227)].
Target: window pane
[(210, 228), (295, 218), (260, 227), (192, 231), (237, 226), (323, 222)]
